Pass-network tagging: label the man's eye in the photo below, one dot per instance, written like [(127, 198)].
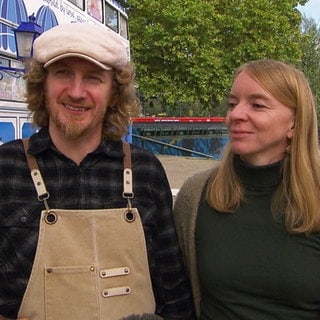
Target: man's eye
[(94, 78), (61, 72)]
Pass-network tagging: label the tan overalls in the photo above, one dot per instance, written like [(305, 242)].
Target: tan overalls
[(89, 264)]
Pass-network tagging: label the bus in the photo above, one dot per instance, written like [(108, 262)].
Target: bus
[(15, 120)]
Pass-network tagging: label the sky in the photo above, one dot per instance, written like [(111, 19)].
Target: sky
[(312, 10)]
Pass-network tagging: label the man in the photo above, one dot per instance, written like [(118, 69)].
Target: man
[(89, 233)]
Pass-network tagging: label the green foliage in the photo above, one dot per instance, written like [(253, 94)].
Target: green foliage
[(310, 61), (186, 51)]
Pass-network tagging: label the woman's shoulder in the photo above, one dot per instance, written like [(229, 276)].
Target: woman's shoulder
[(190, 193), (196, 182)]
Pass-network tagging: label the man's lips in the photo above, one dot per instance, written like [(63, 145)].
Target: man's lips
[(75, 108)]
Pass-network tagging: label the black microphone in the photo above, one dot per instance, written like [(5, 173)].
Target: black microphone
[(145, 316)]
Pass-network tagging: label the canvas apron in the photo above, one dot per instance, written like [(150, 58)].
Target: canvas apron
[(89, 264)]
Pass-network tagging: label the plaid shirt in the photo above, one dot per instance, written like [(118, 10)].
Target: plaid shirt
[(94, 184)]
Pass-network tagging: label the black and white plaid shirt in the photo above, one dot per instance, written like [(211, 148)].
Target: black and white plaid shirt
[(94, 184)]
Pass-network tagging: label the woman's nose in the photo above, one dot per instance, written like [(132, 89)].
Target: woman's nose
[(239, 111)]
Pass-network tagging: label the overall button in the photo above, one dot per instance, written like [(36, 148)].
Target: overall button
[(129, 216), (50, 217)]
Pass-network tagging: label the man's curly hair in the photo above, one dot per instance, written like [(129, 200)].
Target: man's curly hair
[(124, 103)]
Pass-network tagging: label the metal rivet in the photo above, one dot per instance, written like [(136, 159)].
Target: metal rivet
[(49, 270), (129, 216), (92, 268), (51, 218)]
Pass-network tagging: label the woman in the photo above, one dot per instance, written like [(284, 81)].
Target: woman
[(249, 228)]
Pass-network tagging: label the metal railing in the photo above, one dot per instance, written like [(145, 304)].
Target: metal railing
[(174, 147)]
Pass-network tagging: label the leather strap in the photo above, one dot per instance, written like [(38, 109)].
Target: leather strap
[(127, 155), (43, 195), (32, 163), (127, 174)]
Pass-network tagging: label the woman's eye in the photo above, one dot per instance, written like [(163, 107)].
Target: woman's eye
[(258, 106), (231, 105)]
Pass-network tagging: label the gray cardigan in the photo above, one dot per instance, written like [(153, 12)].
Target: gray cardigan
[(185, 214)]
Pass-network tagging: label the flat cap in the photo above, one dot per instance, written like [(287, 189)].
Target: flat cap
[(92, 42)]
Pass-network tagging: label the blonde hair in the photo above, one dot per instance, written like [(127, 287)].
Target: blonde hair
[(297, 197), (124, 103)]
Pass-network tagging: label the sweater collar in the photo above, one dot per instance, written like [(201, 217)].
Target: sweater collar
[(258, 177)]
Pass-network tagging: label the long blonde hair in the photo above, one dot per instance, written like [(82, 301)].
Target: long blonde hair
[(124, 103), (298, 196)]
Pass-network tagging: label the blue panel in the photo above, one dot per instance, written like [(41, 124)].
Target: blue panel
[(7, 131), (28, 130), (46, 18), (16, 12), (128, 136)]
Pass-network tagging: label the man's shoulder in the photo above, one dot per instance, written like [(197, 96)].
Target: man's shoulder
[(11, 147), (12, 158)]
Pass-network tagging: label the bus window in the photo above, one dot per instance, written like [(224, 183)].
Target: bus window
[(7, 131), (78, 3), (95, 9), (124, 27), (28, 130), (111, 18)]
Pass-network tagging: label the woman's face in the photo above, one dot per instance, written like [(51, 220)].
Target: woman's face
[(260, 127)]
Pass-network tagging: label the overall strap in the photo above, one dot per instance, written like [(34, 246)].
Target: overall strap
[(32, 163), (43, 194), (127, 174)]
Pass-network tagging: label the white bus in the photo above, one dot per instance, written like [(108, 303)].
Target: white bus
[(14, 116)]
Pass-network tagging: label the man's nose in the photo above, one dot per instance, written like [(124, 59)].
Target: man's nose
[(76, 88)]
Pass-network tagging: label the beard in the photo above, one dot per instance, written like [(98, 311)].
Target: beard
[(71, 129)]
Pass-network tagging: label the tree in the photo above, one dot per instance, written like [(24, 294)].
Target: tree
[(185, 51), (310, 61)]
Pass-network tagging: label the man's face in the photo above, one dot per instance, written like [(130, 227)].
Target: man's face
[(77, 95)]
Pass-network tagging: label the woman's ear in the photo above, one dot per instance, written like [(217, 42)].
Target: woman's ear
[(291, 130)]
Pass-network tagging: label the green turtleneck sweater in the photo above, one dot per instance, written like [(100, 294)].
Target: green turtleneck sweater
[(249, 266)]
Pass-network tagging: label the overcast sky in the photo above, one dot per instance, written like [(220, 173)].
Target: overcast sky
[(311, 9)]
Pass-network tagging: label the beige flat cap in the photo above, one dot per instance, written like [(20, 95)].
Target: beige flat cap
[(92, 42)]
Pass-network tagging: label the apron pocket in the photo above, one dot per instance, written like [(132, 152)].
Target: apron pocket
[(71, 293)]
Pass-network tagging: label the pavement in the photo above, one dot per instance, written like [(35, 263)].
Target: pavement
[(179, 169)]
